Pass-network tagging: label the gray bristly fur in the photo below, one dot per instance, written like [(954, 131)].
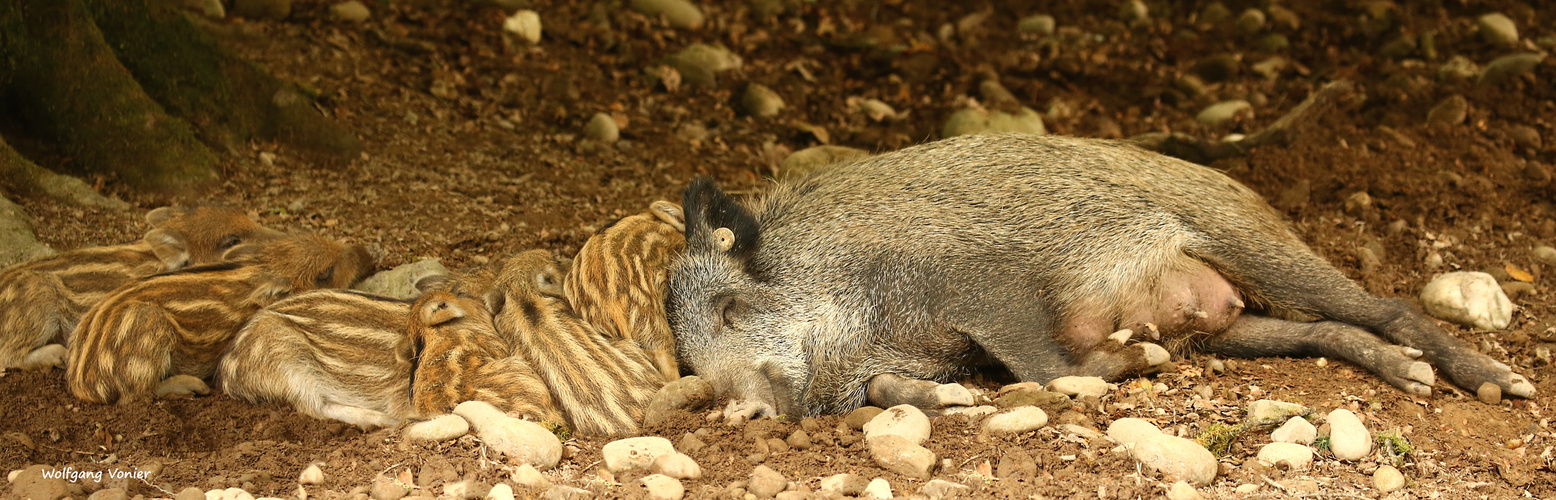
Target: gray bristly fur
[(1022, 250)]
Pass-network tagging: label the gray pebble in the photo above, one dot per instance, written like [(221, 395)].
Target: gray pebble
[(1214, 13), (760, 101), (602, 127), (1458, 69), (766, 483), (1284, 18), (1545, 255), (351, 12), (1387, 479), (1134, 12), (1251, 22), (1525, 136), (1038, 25), (680, 14), (1505, 68), (1497, 29), (1450, 111), (1222, 112)]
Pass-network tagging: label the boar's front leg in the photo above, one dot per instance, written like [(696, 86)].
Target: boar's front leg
[(1257, 336), (888, 389), (1019, 332)]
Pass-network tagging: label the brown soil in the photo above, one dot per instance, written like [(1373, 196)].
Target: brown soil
[(494, 166)]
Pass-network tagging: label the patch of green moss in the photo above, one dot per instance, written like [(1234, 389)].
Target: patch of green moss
[(1394, 446), (560, 430), (1219, 438)]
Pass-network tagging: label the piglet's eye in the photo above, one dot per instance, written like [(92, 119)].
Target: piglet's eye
[(228, 242), (325, 278)]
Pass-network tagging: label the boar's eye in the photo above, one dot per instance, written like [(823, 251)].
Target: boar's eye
[(230, 241), (325, 278)]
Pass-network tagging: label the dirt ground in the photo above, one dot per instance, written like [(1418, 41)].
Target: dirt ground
[(474, 152)]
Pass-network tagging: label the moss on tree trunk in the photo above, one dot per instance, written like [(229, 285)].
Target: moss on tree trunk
[(18, 175), (228, 99), (67, 87), (133, 90)]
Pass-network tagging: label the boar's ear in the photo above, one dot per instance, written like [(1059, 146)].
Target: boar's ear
[(171, 249), (440, 311), (669, 213), (715, 222)]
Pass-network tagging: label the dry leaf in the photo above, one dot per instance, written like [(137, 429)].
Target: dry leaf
[(1519, 274)]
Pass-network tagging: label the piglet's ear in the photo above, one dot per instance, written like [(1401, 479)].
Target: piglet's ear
[(171, 249), (715, 222), (247, 251), (432, 282), (670, 213), (160, 216), (549, 282), (440, 311)]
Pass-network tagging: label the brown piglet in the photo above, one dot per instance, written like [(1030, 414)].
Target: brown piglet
[(179, 323), (42, 300), (618, 280), (331, 354), (603, 386), (460, 357)]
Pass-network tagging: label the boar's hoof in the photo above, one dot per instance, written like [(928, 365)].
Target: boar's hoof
[(182, 386), (738, 412), (1411, 352), (949, 395), (1155, 355), (1520, 386), (1122, 336), (43, 358)]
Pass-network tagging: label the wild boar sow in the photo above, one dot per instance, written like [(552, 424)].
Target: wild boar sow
[(1034, 252)]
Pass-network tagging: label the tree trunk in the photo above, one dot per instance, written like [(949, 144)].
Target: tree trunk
[(67, 88), (229, 100), (129, 89), (18, 175)]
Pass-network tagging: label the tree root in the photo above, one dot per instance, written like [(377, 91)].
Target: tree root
[(22, 176), (1206, 151)]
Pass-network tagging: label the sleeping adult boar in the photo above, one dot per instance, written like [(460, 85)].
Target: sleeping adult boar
[(1026, 251)]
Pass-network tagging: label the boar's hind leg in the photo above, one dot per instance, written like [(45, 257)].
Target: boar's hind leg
[(889, 389), (1286, 276), (1257, 336), (43, 358)]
